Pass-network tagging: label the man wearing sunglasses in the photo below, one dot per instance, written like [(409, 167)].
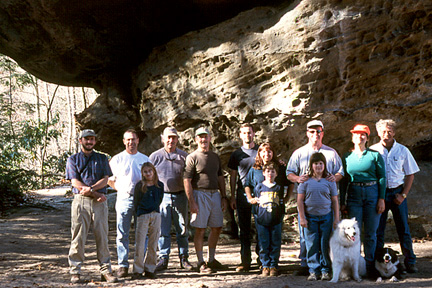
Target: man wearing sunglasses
[(170, 162), (297, 171)]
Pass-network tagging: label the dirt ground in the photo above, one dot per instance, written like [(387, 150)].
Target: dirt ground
[(35, 239)]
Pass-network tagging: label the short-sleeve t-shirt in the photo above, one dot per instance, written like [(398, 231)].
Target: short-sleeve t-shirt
[(242, 160), (317, 195), (203, 168)]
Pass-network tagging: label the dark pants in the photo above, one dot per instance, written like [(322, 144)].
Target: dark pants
[(244, 213), (270, 238), (400, 217)]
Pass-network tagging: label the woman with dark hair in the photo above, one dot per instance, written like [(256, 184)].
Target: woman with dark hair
[(364, 185), (317, 203), (266, 156)]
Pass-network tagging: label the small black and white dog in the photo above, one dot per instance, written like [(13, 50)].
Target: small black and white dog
[(387, 264)]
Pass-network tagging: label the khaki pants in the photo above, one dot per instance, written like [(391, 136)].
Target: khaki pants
[(146, 224), (86, 212)]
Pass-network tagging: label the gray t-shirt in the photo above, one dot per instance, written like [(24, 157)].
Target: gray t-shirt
[(170, 167), (317, 196), (203, 168)]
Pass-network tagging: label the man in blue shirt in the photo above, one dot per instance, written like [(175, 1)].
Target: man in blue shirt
[(89, 172)]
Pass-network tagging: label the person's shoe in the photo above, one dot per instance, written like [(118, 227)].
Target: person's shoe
[(243, 268), (303, 271), (312, 277), (411, 268), (122, 272), (184, 263), (325, 276), (75, 278), (136, 276), (216, 265), (204, 269), (109, 277), (265, 272), (162, 264), (150, 275), (274, 272)]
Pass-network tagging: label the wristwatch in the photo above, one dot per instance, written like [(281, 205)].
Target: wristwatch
[(91, 189), (404, 195)]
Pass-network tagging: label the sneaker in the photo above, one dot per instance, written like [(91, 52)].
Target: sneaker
[(274, 272), (109, 277), (122, 272), (243, 268), (303, 271), (312, 277), (325, 276), (216, 265), (162, 264), (265, 272), (411, 268), (150, 275), (136, 276), (204, 269), (184, 263), (75, 278)]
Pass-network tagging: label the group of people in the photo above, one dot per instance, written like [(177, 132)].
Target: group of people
[(160, 190)]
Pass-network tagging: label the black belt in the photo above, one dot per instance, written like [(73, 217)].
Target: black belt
[(392, 189), (178, 192), (364, 183)]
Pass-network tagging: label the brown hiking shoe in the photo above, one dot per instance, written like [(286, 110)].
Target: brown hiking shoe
[(109, 277), (122, 272), (75, 278), (204, 269), (274, 272), (265, 272), (243, 268)]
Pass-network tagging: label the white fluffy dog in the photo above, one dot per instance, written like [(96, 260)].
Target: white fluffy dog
[(345, 252)]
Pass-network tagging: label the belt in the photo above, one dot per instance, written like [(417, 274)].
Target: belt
[(208, 190), (178, 192), (391, 189), (364, 183)]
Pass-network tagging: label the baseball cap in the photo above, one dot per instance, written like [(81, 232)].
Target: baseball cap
[(315, 123), (202, 130), (169, 131), (87, 133), (360, 128)]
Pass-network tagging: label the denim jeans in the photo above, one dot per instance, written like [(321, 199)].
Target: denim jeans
[(317, 236), (86, 212), (303, 249), (400, 217), (270, 238), (244, 213), (362, 203), (174, 210), (124, 209)]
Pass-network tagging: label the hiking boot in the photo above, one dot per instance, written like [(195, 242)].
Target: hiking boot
[(184, 263), (312, 277), (243, 268), (150, 275), (411, 268), (204, 269), (216, 265), (274, 272), (325, 276), (122, 272), (265, 272), (162, 264), (75, 278), (136, 276), (109, 277)]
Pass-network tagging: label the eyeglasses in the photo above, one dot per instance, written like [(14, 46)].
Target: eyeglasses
[(315, 131)]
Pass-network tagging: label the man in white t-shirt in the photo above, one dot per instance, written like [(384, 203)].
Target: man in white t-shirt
[(400, 169), (126, 168)]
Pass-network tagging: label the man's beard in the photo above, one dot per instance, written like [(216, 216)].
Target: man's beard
[(87, 149)]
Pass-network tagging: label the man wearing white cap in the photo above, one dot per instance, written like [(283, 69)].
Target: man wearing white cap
[(126, 167), (297, 170), (205, 189), (170, 162)]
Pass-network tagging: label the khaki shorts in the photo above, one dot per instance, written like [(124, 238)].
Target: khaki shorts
[(210, 210)]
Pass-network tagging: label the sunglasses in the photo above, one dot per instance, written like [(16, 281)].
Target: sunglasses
[(315, 131)]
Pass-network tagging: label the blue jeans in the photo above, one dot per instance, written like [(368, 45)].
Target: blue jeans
[(303, 249), (270, 238), (174, 210), (244, 213), (362, 203), (400, 217), (317, 236), (124, 209)]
